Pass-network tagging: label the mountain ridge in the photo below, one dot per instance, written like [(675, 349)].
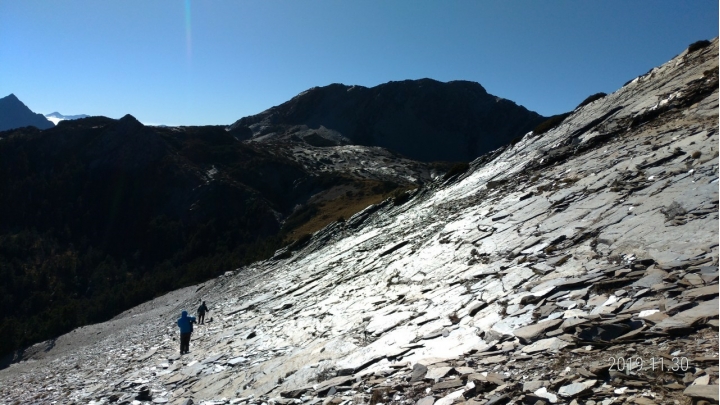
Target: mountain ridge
[(423, 119)]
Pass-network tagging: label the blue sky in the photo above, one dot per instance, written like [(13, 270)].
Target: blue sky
[(213, 62)]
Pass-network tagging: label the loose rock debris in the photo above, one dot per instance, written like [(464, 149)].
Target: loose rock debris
[(575, 267)]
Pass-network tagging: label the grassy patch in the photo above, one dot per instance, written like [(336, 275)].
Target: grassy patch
[(493, 184), (456, 170), (590, 99), (342, 205), (300, 242), (550, 123), (698, 45), (379, 395), (400, 197), (515, 140), (673, 210)]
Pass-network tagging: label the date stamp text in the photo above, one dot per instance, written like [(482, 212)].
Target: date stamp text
[(627, 364)]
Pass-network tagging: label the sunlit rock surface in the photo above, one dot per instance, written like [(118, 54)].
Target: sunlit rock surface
[(527, 278)]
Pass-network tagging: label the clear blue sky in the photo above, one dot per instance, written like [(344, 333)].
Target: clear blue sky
[(212, 62)]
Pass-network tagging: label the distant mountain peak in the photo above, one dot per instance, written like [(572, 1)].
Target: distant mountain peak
[(56, 117), (11, 98), (128, 121), (129, 118), (15, 114), (423, 119)]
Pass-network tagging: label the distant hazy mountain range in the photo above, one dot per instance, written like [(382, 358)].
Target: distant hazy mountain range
[(56, 117), (15, 114)]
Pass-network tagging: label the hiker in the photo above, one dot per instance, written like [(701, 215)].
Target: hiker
[(185, 323), (201, 313)]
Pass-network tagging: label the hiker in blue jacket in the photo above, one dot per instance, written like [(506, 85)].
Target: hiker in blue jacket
[(185, 323)]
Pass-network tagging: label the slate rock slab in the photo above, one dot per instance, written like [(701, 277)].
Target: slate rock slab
[(418, 372), (552, 343), (325, 386), (383, 323), (237, 360), (447, 384), (690, 317), (450, 398), (543, 393), (702, 292), (426, 401), (498, 400), (437, 372), (147, 355), (576, 389), (703, 392), (533, 385), (603, 332), (530, 333), (654, 277)]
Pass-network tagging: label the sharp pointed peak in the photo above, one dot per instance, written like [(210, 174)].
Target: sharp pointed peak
[(129, 118), (11, 96)]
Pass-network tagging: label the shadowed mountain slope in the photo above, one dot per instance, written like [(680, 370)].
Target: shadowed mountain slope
[(98, 215), (423, 119)]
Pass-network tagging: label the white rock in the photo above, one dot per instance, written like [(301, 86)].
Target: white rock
[(548, 344), (543, 393), (450, 398), (647, 312)]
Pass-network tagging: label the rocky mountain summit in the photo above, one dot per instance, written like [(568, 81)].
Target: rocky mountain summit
[(423, 119), (575, 266), (15, 114)]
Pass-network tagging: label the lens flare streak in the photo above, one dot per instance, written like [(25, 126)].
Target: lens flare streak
[(188, 31)]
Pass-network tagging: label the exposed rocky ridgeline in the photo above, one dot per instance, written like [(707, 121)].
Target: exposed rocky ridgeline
[(516, 281), (423, 119), (15, 114), (98, 215)]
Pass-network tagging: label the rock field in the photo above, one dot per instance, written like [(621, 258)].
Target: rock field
[(578, 266), (361, 162)]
